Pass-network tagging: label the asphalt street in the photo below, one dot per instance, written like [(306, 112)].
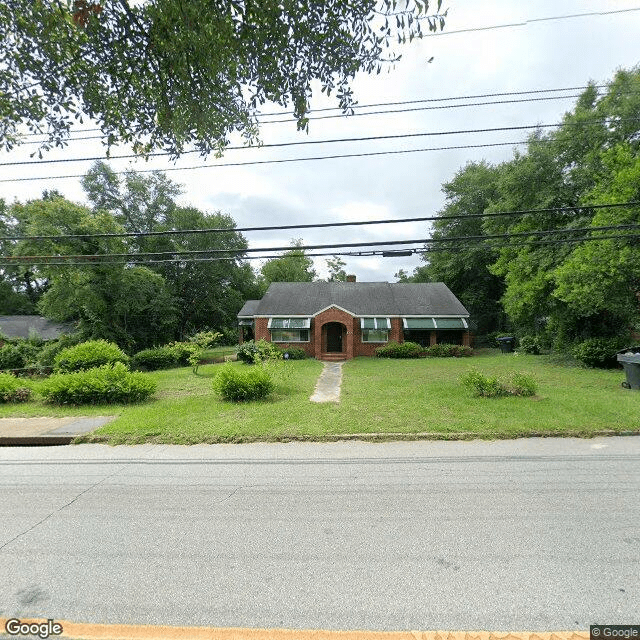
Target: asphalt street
[(537, 534)]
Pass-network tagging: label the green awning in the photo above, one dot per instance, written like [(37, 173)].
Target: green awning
[(375, 323), (289, 323), (433, 323), (418, 323), (450, 323)]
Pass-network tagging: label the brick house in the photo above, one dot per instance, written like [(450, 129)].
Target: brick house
[(342, 320)]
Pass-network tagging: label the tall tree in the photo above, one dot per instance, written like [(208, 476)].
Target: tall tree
[(165, 74), (464, 266), (130, 305), (293, 266), (336, 267)]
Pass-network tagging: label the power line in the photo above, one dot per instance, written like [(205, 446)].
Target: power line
[(404, 102), (532, 20), (239, 252), (322, 225), (413, 250), (421, 134)]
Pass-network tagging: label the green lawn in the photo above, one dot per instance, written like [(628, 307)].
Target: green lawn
[(378, 396)]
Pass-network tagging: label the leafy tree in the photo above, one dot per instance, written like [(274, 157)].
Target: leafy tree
[(293, 266), (165, 74), (336, 267), (130, 306), (464, 267), (208, 293)]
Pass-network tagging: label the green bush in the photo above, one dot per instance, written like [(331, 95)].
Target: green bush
[(11, 390), (153, 359), (295, 353), (531, 345), (485, 386), (448, 351), (251, 352), (88, 355), (598, 352), (523, 385), (206, 339), (107, 384), (10, 357), (238, 385), (47, 354), (482, 385), (400, 350), (183, 351)]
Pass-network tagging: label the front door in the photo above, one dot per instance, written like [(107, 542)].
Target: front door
[(334, 337)]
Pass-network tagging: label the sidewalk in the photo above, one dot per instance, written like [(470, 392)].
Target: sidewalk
[(47, 431)]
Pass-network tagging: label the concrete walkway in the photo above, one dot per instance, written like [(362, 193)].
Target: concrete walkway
[(328, 385), (39, 431)]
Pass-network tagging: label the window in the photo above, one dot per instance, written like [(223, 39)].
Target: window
[(375, 329), (289, 329), (289, 335), (375, 335)]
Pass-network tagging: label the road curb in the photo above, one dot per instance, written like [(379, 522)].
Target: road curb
[(85, 631)]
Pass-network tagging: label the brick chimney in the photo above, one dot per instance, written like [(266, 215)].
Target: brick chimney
[(351, 278)]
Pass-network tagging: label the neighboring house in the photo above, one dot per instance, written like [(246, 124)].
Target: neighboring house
[(25, 326), (342, 320)]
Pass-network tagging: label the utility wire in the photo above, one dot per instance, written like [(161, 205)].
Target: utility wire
[(335, 140), (240, 252), (532, 20), (404, 102), (356, 254), (289, 160), (322, 225)]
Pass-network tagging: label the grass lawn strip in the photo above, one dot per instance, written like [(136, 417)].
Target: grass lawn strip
[(380, 399)]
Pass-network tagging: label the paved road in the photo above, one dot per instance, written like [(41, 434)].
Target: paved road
[(536, 534)]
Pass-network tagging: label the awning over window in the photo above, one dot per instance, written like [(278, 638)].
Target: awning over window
[(289, 323), (418, 323), (434, 323), (375, 323), (246, 323)]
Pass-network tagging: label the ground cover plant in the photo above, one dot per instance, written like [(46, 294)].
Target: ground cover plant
[(404, 397)]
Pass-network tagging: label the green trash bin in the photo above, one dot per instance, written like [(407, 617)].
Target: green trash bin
[(630, 361), (507, 343)]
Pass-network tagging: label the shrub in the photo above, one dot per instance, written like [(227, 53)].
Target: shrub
[(206, 339), (183, 351), (102, 385), (448, 351), (598, 352), (239, 385), (251, 351), (294, 353), (482, 385), (531, 345), (485, 386), (523, 385), (399, 350), (11, 391), (47, 354), (10, 357), (88, 355), (153, 359)]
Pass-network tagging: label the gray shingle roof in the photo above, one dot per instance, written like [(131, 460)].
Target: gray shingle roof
[(359, 298), (248, 309), (20, 327)]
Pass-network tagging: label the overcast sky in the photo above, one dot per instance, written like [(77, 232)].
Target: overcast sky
[(531, 54)]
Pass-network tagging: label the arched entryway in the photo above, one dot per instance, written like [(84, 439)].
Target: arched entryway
[(334, 338)]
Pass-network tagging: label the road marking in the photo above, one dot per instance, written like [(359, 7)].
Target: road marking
[(84, 631)]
